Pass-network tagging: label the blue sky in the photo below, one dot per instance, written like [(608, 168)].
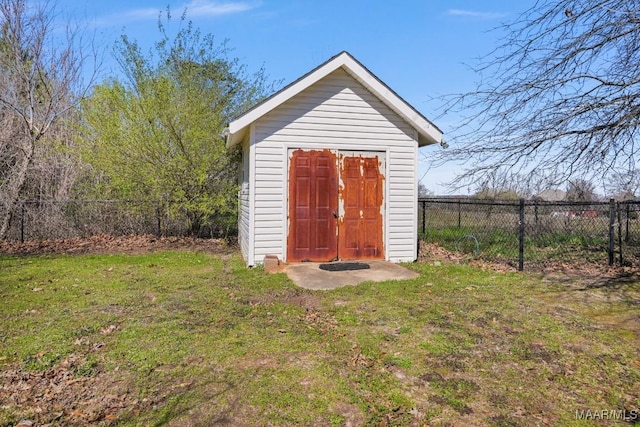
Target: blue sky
[(422, 49)]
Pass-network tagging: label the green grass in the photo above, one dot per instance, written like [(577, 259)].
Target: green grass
[(550, 235), (183, 338), (492, 243)]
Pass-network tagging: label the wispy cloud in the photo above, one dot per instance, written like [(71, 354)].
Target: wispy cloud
[(476, 14), (194, 8), (133, 15), (213, 8)]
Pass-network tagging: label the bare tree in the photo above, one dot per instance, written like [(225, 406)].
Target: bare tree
[(504, 184), (623, 185), (580, 190), (423, 191), (560, 96), (40, 82)]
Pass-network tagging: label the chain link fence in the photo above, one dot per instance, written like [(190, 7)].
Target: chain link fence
[(529, 234), (525, 234), (40, 220)]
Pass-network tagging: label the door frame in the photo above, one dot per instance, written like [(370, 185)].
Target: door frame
[(383, 156)]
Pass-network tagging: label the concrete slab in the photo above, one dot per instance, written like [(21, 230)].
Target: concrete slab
[(309, 275)]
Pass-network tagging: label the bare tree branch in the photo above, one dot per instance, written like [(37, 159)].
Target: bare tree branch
[(562, 96)]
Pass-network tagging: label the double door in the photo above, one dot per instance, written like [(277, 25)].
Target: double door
[(336, 205)]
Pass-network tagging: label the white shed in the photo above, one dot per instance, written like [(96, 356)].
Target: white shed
[(330, 169)]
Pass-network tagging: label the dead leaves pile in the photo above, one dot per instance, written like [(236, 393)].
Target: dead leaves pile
[(60, 396), (435, 254), (106, 243), (318, 321)]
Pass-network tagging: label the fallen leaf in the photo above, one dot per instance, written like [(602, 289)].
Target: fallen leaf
[(109, 329), (76, 413)]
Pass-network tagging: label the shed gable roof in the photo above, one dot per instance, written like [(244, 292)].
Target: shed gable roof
[(428, 133)]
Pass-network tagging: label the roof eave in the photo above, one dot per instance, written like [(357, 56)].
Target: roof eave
[(235, 138), (428, 139)]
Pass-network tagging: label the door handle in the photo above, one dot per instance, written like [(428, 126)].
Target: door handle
[(335, 214)]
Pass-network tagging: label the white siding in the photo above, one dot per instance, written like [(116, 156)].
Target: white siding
[(402, 198), (243, 203), (335, 113)]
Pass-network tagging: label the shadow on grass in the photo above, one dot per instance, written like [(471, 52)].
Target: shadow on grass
[(624, 285)]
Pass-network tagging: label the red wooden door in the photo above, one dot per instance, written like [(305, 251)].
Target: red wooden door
[(313, 206), (360, 231)]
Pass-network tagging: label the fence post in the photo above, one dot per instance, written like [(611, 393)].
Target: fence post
[(612, 222), (459, 214), (424, 217), (521, 237), (619, 231), (22, 213), (626, 235)]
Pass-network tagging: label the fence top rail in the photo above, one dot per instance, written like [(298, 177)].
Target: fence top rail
[(489, 202), (463, 201), (471, 202)]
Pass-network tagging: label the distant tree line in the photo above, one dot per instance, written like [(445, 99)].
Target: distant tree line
[(574, 190), (505, 185)]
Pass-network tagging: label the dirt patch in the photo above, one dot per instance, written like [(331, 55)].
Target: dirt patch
[(351, 414), (307, 300), (108, 244)]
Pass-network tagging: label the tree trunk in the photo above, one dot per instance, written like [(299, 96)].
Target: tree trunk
[(195, 223), (15, 188)]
